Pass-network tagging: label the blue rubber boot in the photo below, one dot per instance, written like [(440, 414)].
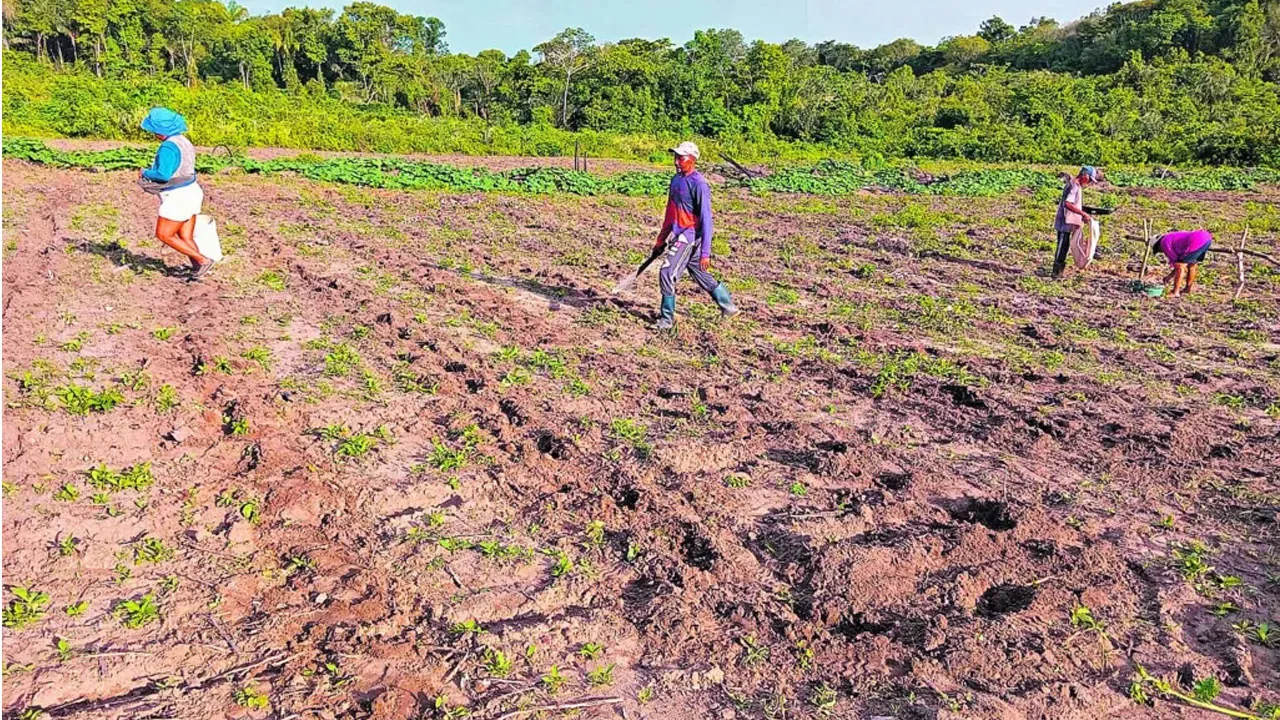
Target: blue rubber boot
[(721, 295), (667, 313)]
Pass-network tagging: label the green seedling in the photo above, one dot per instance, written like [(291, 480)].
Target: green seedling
[(601, 676), (595, 533), (67, 493), (68, 546), (134, 614), (163, 333), (151, 550), (645, 695), (356, 446), (64, 650), (823, 701), (249, 697), (466, 627), (26, 607), (259, 355), (77, 609), (553, 680), (1224, 609), (166, 399), (296, 564), (753, 652), (1082, 619), (497, 664), (1190, 561), (590, 651), (562, 566)]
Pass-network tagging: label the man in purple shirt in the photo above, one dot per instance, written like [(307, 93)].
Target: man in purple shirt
[(685, 228), (1184, 250)]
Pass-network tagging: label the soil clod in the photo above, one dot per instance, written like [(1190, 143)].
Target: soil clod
[(698, 551)]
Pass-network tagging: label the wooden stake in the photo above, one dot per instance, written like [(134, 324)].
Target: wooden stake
[(575, 155), (1146, 251), (1240, 265)]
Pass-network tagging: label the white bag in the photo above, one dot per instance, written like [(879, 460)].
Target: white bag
[(1082, 248), (206, 237)]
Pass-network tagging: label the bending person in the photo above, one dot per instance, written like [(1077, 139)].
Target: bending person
[(172, 176), (686, 233), (1184, 251)]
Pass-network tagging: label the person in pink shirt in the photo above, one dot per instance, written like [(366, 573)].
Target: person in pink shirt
[(1184, 250)]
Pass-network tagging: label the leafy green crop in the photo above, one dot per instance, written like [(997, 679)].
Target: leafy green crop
[(827, 177)]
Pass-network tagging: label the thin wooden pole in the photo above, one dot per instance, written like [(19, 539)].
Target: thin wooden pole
[(1146, 250)]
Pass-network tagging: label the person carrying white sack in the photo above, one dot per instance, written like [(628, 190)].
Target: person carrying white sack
[(1072, 218), (172, 176)]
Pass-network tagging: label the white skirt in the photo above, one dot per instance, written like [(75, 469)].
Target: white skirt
[(181, 203)]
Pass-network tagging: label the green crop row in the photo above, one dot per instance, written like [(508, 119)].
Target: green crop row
[(827, 177)]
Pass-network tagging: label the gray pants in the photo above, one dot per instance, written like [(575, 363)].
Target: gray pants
[(681, 256)]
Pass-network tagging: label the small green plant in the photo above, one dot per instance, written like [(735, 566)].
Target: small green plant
[(134, 614), (823, 701), (1082, 619), (753, 652), (590, 651), (81, 400), (645, 695), (341, 360), (562, 566), (601, 676), (26, 607), (249, 697), (67, 493), (595, 533), (166, 399), (1164, 523), (497, 664), (236, 427), (553, 680), (64, 650), (76, 609), (151, 550), (1190, 559), (1206, 690), (737, 481), (259, 355), (798, 489), (446, 459), (1224, 608), (163, 333), (1263, 635), (355, 446), (295, 564), (466, 627)]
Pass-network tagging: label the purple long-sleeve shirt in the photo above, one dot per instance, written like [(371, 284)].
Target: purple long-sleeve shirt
[(689, 210), (1176, 245)]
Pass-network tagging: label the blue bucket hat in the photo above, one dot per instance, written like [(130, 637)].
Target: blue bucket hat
[(1090, 172), (163, 121)]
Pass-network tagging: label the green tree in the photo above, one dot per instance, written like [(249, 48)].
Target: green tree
[(567, 54)]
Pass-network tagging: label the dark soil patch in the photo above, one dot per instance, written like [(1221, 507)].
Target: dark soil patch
[(1004, 599), (991, 514)]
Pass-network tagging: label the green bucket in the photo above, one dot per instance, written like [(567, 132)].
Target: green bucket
[(1154, 290)]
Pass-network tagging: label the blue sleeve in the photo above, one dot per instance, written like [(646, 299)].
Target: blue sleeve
[(168, 158), (705, 226)]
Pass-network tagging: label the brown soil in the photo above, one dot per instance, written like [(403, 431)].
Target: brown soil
[(747, 514)]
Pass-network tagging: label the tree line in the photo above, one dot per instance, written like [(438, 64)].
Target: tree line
[(1150, 81)]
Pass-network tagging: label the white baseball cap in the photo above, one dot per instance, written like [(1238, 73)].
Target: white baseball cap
[(686, 148)]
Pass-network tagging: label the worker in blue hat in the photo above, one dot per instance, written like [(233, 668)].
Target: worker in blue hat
[(1071, 214), (172, 176)]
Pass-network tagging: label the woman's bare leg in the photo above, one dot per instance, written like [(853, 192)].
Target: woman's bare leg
[(1191, 277), (170, 232), (1179, 272)]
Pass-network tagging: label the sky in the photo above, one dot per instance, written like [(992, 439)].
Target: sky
[(512, 25)]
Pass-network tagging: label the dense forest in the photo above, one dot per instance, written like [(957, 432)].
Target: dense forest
[(1157, 81)]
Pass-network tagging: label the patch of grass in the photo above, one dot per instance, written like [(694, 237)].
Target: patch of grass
[(341, 360), (633, 433), (259, 355), (272, 280)]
